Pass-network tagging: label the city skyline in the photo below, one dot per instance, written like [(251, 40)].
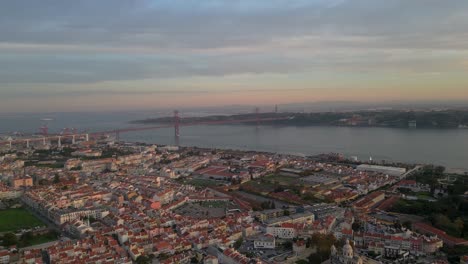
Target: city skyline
[(110, 55)]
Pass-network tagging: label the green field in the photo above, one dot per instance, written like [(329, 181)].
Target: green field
[(15, 219), (270, 183), (31, 240)]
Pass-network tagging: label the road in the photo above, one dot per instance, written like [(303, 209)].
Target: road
[(408, 173)]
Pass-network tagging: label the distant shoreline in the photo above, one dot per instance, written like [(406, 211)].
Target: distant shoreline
[(449, 119)]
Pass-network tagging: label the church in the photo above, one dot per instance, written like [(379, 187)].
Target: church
[(347, 256)]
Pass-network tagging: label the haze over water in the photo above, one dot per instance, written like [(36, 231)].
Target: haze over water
[(446, 147)]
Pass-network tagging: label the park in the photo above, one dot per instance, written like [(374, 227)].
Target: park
[(14, 219)]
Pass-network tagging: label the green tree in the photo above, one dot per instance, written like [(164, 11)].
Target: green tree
[(408, 224), (238, 243), (356, 226), (56, 178), (9, 239), (439, 170), (250, 254), (27, 236), (143, 260), (459, 223)]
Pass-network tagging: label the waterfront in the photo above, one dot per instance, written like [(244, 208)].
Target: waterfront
[(446, 147)]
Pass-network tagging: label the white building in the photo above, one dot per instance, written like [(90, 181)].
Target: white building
[(265, 242), (285, 231), (4, 256), (391, 171)]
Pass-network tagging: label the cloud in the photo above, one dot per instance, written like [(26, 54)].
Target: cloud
[(81, 44), (225, 23)]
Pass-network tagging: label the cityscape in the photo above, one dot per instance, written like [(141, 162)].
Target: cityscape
[(234, 132), (98, 200)]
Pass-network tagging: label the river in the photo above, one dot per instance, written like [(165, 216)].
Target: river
[(447, 147)]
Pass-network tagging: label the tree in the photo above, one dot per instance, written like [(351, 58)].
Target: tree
[(308, 242), (250, 255), (27, 236), (143, 260), (323, 242), (43, 182), (397, 224), (279, 189), (356, 226), (459, 223), (439, 170), (56, 178), (163, 256), (9, 239), (408, 224), (238, 243)]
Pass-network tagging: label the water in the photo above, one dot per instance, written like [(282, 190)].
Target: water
[(437, 146)]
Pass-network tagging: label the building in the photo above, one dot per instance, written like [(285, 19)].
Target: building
[(448, 240), (291, 172), (231, 256), (4, 256), (306, 217), (299, 247), (210, 260), (391, 171), (87, 153), (347, 255), (413, 186), (22, 182), (369, 201), (265, 242), (6, 193), (269, 214), (285, 231), (216, 172), (62, 216)]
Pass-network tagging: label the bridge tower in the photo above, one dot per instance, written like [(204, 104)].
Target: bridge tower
[(176, 123), (257, 116)]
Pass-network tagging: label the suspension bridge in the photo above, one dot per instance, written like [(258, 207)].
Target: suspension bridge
[(45, 138)]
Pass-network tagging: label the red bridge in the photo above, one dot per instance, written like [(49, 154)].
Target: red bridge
[(176, 125)]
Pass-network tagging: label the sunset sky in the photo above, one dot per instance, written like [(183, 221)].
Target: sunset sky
[(59, 55)]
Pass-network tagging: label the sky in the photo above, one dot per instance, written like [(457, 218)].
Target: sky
[(68, 55)]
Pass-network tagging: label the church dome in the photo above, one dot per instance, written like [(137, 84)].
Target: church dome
[(348, 250), (333, 250), (359, 261)]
